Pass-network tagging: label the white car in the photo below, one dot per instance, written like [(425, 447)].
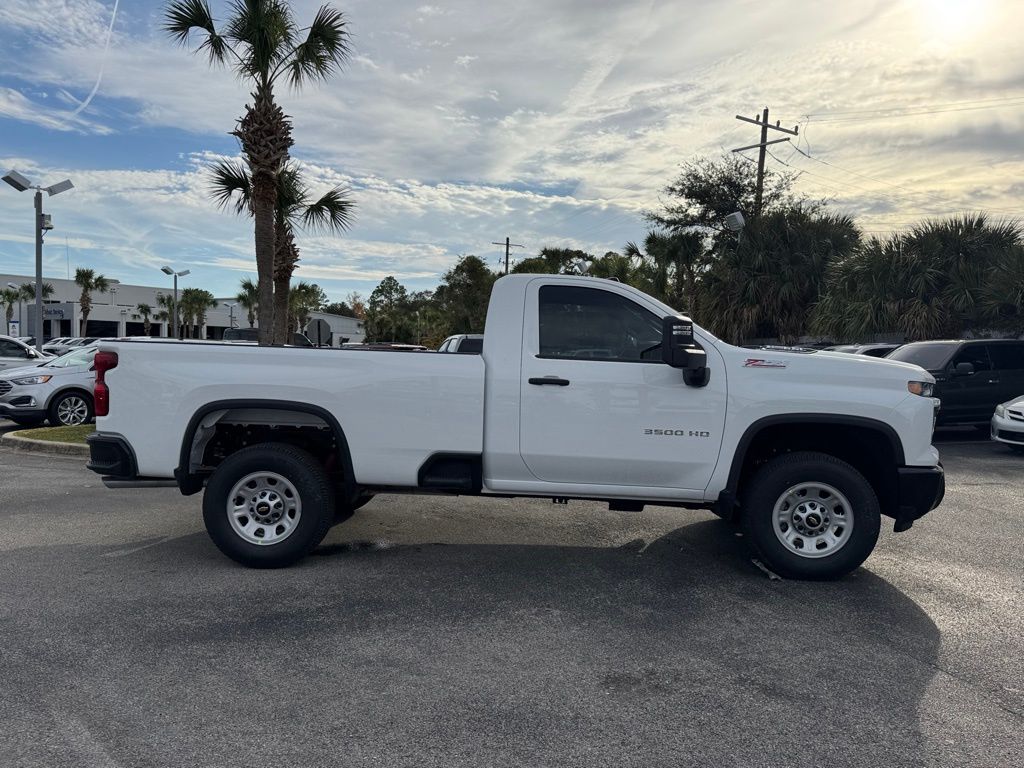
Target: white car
[(1008, 423), (463, 344), (15, 353), (59, 390)]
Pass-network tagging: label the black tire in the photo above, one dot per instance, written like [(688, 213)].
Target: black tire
[(785, 472), (314, 490), (343, 511), (53, 412)]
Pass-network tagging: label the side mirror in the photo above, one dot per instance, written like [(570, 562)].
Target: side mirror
[(30, 353), (963, 369), (680, 350)]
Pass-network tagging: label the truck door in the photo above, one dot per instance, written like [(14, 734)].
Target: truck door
[(973, 397), (597, 405)]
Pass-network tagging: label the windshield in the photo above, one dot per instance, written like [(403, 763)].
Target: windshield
[(929, 356), (75, 357)]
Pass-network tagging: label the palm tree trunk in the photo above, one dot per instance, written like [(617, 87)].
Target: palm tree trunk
[(263, 212), (286, 255)]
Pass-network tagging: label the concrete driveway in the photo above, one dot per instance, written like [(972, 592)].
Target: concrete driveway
[(445, 631)]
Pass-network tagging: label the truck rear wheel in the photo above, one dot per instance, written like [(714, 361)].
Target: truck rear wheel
[(809, 515), (269, 505)]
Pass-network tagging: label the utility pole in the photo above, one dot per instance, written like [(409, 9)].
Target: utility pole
[(508, 245), (762, 145)]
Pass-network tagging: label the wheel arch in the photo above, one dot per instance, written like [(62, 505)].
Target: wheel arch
[(190, 482), (77, 388), (870, 445)]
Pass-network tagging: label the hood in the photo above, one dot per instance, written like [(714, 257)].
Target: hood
[(17, 373), (1017, 402)]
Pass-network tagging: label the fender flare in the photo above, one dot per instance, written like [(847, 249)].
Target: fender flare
[(190, 483)]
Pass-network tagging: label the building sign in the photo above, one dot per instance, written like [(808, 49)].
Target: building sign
[(14, 328)]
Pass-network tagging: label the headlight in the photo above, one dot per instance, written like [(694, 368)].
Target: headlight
[(922, 388), (1000, 411), (32, 380)]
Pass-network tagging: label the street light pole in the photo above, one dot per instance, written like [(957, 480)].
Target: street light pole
[(42, 225), (174, 308)]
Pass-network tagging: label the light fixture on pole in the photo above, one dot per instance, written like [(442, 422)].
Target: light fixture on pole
[(231, 313), (174, 307), (42, 225)]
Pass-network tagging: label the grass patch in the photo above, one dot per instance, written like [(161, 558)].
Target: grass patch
[(59, 434)]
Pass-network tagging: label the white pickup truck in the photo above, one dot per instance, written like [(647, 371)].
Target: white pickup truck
[(586, 389)]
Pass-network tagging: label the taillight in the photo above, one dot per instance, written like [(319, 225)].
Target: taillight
[(103, 362)]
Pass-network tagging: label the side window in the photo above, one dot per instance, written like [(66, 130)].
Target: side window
[(976, 355), (594, 324), (10, 349), (1007, 357), (444, 347)]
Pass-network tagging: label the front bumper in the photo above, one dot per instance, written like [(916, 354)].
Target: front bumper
[(920, 490), (1007, 430)]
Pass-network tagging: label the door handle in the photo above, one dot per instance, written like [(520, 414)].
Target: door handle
[(553, 380), (993, 381)]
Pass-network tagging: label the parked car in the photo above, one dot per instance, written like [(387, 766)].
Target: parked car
[(251, 335), (463, 344), (971, 377), (1007, 425), (877, 350), (58, 390), (72, 342), (871, 350), (17, 354), (804, 450), (385, 346)]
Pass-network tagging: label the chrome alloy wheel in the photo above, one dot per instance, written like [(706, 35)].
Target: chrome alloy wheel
[(72, 411), (264, 508), (813, 520)]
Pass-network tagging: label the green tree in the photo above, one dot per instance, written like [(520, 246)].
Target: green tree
[(145, 311), (671, 263), (464, 293), (765, 283), (8, 298), (263, 43), (708, 190), (166, 313), (305, 299), (552, 261), (295, 208), (88, 281), (193, 304), (249, 298), (942, 278), (28, 291), (384, 310)]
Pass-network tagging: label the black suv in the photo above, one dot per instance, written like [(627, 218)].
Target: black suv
[(971, 377)]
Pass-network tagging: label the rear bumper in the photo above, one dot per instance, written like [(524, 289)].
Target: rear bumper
[(111, 456), (920, 491)]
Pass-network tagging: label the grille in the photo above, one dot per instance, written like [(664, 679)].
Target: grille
[(5, 387), (1013, 437), (1015, 415)]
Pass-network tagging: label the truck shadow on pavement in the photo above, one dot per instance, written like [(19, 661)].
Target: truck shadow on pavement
[(677, 652)]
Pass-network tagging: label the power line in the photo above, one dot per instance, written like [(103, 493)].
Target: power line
[(508, 245), (893, 115), (918, 106)]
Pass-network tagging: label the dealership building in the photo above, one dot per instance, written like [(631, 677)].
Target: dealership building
[(115, 313)]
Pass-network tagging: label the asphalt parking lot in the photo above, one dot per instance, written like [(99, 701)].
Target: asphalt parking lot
[(446, 631)]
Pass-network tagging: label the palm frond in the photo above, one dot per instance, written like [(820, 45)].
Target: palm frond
[(182, 17), (231, 185), (324, 51), (268, 33), (333, 212)]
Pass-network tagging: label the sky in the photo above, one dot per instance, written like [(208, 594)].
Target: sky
[(458, 123)]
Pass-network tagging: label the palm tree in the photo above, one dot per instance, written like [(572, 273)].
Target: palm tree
[(262, 43), (8, 298), (89, 281), (166, 313), (330, 214), (193, 306), (28, 291), (249, 297), (305, 298), (144, 311)]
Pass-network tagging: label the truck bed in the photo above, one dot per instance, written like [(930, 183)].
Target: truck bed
[(435, 402)]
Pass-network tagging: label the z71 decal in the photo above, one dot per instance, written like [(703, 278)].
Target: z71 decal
[(757, 362)]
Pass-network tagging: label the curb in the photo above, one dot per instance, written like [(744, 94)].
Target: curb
[(15, 441)]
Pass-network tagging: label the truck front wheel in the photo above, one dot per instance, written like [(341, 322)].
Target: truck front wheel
[(809, 515), (269, 505)]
